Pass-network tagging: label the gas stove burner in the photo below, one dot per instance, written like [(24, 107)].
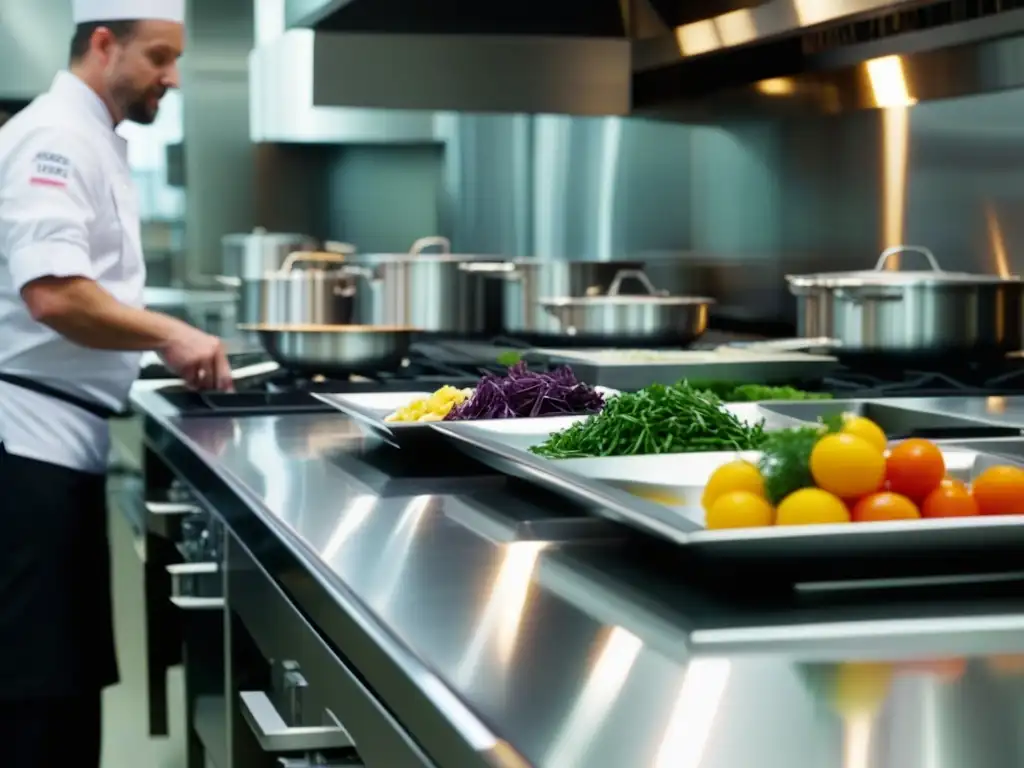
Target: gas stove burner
[(990, 379)]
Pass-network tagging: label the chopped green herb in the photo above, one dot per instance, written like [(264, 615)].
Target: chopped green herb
[(731, 392), (658, 419), (786, 457)]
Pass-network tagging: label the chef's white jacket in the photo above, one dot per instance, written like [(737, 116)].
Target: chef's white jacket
[(67, 208)]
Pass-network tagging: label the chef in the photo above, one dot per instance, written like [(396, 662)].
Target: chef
[(72, 330)]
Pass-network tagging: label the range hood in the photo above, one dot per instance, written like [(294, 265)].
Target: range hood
[(571, 18), (568, 56), (826, 56)]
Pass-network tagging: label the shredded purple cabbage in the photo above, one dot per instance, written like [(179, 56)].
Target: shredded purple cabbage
[(524, 394)]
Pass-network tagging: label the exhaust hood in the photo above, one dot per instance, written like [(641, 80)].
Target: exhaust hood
[(574, 18), (569, 57), (827, 56)]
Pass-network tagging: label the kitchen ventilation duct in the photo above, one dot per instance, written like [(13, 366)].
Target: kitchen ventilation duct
[(825, 56)]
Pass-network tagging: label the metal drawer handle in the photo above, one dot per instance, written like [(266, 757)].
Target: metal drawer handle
[(171, 509), (192, 569), (180, 574), (275, 735), (187, 603)]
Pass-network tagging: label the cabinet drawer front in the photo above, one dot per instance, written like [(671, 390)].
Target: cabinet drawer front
[(282, 632)]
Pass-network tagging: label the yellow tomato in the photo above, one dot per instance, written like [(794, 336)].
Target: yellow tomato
[(861, 687), (866, 429), (739, 509), (847, 466), (734, 476), (810, 506)]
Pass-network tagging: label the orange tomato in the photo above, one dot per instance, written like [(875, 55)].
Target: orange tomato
[(949, 500), (1000, 491), (1007, 664), (946, 670), (884, 506), (952, 482), (915, 468)]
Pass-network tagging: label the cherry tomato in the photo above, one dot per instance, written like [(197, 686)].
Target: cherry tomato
[(1000, 491), (1007, 664), (847, 466), (915, 468), (949, 500), (884, 506), (947, 670)]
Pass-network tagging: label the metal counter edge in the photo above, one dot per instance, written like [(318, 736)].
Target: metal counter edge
[(407, 687)]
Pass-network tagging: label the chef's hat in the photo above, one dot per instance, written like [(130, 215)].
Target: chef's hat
[(86, 11)]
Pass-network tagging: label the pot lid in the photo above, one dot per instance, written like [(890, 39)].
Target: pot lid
[(636, 301), (614, 297), (262, 235), (880, 276)]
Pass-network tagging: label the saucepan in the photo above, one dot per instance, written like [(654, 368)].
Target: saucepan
[(525, 281), (620, 320), (249, 260), (931, 312), (334, 351), (435, 292)]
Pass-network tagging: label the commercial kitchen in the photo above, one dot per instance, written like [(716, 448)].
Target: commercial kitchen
[(372, 201)]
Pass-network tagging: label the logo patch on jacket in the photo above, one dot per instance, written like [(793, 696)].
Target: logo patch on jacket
[(50, 170)]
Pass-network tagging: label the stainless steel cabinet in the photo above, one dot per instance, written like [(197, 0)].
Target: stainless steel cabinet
[(305, 702)]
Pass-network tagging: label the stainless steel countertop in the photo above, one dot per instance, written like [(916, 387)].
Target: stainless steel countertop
[(161, 298), (592, 651)]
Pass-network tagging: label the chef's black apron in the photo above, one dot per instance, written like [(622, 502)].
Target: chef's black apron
[(56, 619)]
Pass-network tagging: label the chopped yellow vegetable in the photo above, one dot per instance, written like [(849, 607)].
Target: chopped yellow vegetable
[(433, 408)]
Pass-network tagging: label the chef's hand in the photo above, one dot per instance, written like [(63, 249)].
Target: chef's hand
[(199, 359)]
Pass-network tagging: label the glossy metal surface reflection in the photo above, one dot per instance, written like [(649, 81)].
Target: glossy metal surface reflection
[(591, 654)]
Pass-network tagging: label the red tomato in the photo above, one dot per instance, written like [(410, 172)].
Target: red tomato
[(884, 506), (915, 468), (1000, 491), (949, 500)]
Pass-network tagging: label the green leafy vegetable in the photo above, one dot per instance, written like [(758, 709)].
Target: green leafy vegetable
[(509, 358), (746, 393), (786, 457), (731, 392), (658, 419)]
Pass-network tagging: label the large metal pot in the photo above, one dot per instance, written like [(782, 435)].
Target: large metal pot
[(313, 288), (620, 320), (437, 293), (527, 281), (248, 258), (932, 312)]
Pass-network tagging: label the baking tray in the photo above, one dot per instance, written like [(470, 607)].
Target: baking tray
[(630, 370), (369, 409), (607, 487), (898, 418)]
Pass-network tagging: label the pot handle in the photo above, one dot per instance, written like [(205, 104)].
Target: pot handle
[(227, 281), (636, 274), (431, 242), (932, 262), (346, 249), (321, 257)]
